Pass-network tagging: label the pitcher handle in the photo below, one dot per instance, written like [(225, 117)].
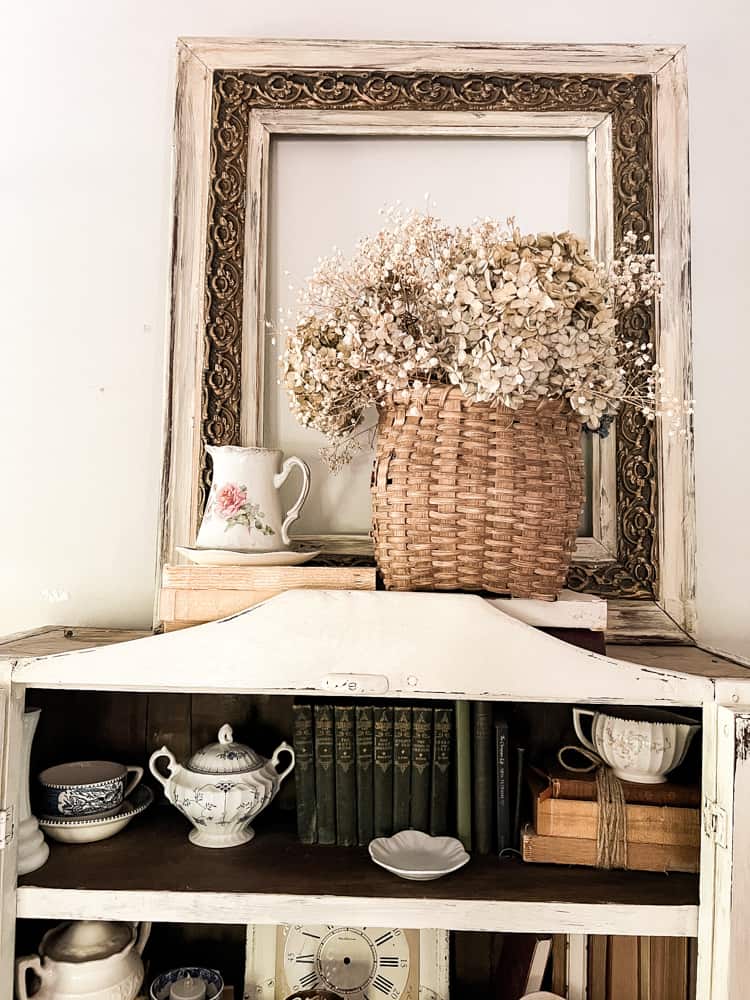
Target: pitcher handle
[(279, 479), (144, 929), (23, 965), (280, 749), (577, 713)]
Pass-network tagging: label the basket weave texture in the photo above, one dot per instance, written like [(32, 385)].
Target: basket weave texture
[(475, 496)]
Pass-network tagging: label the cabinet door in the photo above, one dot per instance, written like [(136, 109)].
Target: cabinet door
[(727, 823), (11, 716)]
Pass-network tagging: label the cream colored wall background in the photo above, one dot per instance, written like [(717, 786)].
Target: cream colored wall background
[(87, 90)]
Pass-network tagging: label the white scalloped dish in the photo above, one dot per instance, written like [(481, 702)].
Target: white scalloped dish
[(418, 856)]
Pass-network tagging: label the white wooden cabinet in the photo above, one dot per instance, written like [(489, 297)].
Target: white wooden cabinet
[(406, 646)]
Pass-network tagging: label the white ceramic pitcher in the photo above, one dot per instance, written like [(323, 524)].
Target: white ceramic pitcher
[(91, 959), (244, 507)]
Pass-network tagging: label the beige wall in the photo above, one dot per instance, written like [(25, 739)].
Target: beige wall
[(84, 199)]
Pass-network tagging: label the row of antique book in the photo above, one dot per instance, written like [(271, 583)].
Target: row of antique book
[(370, 770)]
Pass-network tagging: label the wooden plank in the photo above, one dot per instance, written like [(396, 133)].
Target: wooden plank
[(667, 969), (623, 969), (408, 56), (150, 869), (684, 659), (11, 725), (512, 124), (641, 621), (676, 493), (61, 639), (597, 980), (268, 578), (570, 610), (182, 412)]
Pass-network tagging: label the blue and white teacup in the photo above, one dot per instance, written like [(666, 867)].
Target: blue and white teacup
[(85, 787)]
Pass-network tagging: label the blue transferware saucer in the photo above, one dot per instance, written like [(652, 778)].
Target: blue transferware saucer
[(88, 829)]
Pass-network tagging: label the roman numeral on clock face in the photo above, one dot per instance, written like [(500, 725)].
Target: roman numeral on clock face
[(305, 959), (387, 961), (308, 980), (382, 984), (383, 938)]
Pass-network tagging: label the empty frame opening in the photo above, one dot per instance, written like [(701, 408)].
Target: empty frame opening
[(327, 191)]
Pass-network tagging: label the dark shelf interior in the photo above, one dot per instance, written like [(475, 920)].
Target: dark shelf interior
[(154, 853)]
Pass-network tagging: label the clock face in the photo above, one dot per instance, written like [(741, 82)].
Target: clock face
[(359, 963)]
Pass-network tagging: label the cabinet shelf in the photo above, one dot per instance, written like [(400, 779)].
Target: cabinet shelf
[(151, 872)]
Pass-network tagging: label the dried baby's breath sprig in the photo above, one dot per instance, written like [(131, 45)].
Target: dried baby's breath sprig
[(506, 316)]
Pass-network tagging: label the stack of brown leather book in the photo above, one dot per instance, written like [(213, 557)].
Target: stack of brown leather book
[(662, 821)]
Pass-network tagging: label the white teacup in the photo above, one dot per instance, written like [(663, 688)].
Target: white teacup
[(644, 747), (244, 508)]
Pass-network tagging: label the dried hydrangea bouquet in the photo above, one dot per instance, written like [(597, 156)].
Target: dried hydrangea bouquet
[(484, 351)]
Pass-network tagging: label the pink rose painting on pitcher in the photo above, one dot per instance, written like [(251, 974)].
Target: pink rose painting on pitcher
[(231, 504)]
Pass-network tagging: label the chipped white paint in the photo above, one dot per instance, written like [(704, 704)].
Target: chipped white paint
[(446, 914), (420, 635)]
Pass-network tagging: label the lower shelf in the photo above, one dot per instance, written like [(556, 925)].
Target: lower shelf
[(152, 872)]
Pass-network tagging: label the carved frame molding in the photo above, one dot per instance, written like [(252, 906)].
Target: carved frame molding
[(232, 94)]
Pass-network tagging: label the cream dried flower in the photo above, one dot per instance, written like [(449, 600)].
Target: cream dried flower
[(506, 316)]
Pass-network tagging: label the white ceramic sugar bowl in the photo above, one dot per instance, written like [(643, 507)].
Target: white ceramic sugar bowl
[(222, 788), (95, 959)]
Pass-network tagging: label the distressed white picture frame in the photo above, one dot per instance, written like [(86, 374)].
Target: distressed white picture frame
[(671, 614)]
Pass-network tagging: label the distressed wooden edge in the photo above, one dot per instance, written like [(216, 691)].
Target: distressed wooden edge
[(676, 496), (183, 364), (408, 56), (601, 239), (633, 621), (331, 121), (252, 359), (268, 908), (11, 727)]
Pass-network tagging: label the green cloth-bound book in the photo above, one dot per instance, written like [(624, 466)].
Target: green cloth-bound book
[(346, 787), (463, 773), (325, 774), (383, 773), (421, 767), (484, 774), (401, 767), (363, 752), (442, 770), (304, 774)]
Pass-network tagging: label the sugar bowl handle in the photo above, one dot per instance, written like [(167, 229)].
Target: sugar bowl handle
[(23, 965), (577, 713), (173, 766), (280, 749), (279, 479)]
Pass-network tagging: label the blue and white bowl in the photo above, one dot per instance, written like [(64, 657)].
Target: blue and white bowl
[(214, 983), (86, 788)]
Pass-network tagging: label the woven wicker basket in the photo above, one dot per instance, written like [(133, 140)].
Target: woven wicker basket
[(474, 496)]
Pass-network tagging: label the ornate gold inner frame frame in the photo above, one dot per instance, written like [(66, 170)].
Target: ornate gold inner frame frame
[(630, 104)]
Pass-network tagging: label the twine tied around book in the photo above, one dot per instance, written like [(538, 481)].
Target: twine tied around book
[(611, 828)]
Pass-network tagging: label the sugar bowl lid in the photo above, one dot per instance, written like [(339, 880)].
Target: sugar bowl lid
[(225, 757), (86, 940)]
